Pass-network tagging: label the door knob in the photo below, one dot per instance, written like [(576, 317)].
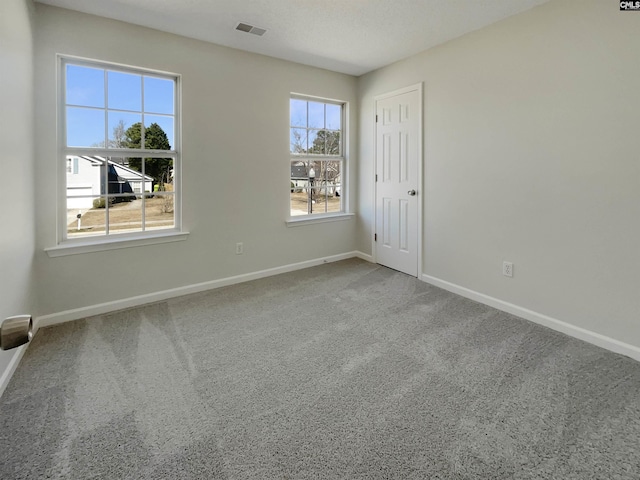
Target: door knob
[(412, 193)]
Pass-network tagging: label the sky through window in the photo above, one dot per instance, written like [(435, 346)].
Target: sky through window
[(127, 97)]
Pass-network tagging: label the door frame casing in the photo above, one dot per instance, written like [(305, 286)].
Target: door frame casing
[(418, 87)]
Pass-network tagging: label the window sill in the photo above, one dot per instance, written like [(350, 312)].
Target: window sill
[(76, 246), (310, 220)]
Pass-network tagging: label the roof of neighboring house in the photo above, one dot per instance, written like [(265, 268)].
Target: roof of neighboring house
[(123, 171), (299, 172)]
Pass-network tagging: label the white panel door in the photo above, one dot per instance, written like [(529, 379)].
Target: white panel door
[(397, 182)]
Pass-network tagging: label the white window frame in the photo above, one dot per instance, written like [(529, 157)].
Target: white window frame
[(322, 217), (111, 240)]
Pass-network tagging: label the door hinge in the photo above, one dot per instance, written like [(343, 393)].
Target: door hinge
[(376, 177), (376, 118), (375, 237)]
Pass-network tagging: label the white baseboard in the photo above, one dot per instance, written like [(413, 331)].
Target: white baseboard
[(603, 341), (364, 256), (102, 308), (11, 368)]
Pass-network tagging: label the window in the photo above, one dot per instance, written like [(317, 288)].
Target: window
[(120, 145), (317, 156), (72, 165)]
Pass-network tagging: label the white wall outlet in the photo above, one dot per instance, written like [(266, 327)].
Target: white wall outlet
[(239, 248), (507, 269)]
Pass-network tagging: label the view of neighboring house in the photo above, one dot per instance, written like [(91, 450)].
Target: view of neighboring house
[(85, 180), (299, 176), (300, 181)]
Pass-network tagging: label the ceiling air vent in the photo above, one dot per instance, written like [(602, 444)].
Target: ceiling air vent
[(244, 27)]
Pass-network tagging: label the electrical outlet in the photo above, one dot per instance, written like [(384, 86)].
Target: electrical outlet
[(239, 248), (507, 269)]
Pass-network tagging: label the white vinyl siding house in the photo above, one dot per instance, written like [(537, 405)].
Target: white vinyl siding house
[(84, 180)]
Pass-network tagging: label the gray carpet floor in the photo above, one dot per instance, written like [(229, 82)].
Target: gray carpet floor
[(346, 370)]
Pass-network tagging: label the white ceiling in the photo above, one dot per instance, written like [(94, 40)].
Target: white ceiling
[(348, 36)]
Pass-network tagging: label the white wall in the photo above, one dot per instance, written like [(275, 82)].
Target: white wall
[(532, 156), (16, 137), (236, 165)]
